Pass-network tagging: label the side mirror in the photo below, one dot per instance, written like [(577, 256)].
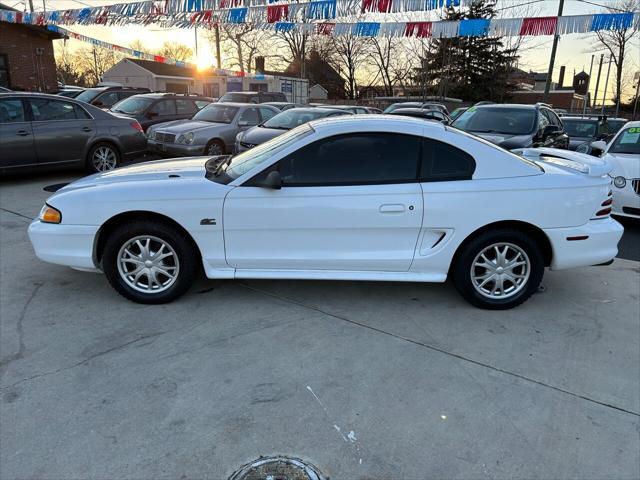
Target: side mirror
[(599, 145), (273, 180)]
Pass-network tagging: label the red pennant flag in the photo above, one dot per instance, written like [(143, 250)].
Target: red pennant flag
[(539, 26), (418, 29)]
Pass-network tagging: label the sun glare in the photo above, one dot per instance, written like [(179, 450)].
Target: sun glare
[(204, 61)]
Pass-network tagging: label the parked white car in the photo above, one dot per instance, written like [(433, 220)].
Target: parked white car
[(378, 198), (623, 153)]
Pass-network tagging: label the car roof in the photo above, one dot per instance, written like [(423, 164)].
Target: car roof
[(506, 105), (237, 104), (581, 119)]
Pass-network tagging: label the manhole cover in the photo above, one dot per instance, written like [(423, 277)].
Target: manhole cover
[(278, 468)]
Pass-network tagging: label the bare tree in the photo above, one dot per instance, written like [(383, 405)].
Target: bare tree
[(617, 41), (393, 61), (66, 66), (175, 51), (241, 44), (350, 54), (94, 61)]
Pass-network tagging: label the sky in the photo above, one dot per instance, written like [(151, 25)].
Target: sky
[(574, 51)]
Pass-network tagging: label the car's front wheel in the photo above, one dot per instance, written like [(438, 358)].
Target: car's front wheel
[(498, 269), (214, 147), (149, 262)]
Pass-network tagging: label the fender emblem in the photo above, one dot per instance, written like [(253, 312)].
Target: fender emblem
[(208, 221)]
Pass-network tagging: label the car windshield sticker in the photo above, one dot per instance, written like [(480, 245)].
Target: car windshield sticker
[(631, 136)]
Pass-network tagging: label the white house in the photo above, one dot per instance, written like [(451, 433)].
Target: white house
[(318, 92)]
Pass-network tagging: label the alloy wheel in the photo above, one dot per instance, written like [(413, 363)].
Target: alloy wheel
[(104, 159), (148, 264), (214, 149), (500, 271)]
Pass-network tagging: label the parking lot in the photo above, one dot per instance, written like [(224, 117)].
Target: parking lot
[(365, 380)]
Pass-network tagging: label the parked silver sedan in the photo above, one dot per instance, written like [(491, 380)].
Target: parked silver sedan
[(211, 131)]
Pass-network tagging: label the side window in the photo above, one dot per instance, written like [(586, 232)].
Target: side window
[(543, 121), (443, 162), (249, 117), (267, 113), (200, 104), (80, 112), (361, 110), (186, 107), (107, 99), (553, 118), (355, 159), (164, 108), (11, 110), (47, 110)]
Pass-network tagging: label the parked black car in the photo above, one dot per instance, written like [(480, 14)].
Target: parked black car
[(515, 126), (280, 123), (152, 108), (107, 97), (585, 129), (436, 115), (253, 97), (47, 131)]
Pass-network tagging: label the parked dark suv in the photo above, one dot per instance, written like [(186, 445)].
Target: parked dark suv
[(515, 126), (107, 97), (152, 108), (253, 97), (40, 131)]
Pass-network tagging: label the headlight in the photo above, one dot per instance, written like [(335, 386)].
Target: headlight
[(151, 135), (619, 182), (49, 214), (239, 136), (185, 138)]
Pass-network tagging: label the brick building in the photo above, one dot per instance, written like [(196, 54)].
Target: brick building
[(26, 57)]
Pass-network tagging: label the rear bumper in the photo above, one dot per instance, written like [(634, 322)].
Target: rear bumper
[(70, 245), (599, 246)]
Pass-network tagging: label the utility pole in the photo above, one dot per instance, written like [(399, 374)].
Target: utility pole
[(635, 100), (552, 60), (31, 6), (606, 84), (195, 35), (95, 65), (216, 30), (588, 95), (595, 95)]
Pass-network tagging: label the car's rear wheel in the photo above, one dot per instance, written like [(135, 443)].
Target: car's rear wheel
[(214, 147), (103, 157), (149, 262), (498, 269)]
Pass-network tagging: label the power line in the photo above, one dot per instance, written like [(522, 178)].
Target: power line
[(603, 6)]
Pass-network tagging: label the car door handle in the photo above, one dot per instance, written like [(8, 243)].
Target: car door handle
[(86, 129), (392, 208), (22, 133)]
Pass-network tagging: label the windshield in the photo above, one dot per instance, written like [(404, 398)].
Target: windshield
[(237, 97), (132, 105), (216, 113), (580, 128), (247, 160), (292, 118), (627, 142), (509, 121), (615, 125), (89, 94)]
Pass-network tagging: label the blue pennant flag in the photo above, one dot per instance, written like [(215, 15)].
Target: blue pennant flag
[(611, 21), (322, 9), (53, 16), (237, 15), (284, 26), (367, 29), (477, 27)]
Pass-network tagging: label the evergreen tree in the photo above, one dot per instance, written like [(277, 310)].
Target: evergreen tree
[(471, 68)]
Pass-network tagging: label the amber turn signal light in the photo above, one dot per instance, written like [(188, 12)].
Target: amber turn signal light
[(50, 215)]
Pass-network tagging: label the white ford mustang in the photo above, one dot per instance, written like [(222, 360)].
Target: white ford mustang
[(382, 198)]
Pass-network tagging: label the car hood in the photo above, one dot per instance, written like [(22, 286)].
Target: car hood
[(624, 164), (184, 126), (161, 169), (258, 135), (507, 141)]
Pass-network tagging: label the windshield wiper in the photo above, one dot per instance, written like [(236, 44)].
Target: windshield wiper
[(277, 128)]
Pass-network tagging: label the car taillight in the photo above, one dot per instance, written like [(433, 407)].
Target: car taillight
[(605, 212), (137, 126)]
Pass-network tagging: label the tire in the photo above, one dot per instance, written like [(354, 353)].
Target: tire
[(214, 147), (173, 272), (103, 157), (521, 278)]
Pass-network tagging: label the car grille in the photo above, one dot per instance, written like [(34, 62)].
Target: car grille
[(165, 137), (636, 185)]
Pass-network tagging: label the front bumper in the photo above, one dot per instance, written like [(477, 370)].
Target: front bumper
[(70, 245), (626, 202), (175, 149), (600, 246)]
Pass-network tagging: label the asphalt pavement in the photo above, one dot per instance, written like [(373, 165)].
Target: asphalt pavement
[(365, 380)]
